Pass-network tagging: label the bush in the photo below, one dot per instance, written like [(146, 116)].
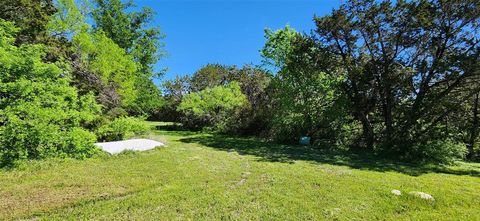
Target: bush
[(41, 114), (213, 108), (79, 143), (122, 128), (438, 151)]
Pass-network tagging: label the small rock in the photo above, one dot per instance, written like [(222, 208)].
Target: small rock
[(396, 192), (422, 195)]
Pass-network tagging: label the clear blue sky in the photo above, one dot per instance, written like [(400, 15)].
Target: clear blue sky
[(227, 32)]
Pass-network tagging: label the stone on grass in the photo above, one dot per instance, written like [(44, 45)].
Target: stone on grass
[(422, 195), (396, 192)]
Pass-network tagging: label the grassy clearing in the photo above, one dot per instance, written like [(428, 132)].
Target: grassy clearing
[(200, 176)]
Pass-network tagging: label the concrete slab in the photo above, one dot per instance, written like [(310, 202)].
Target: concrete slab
[(133, 144)]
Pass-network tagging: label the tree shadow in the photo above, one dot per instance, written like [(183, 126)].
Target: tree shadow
[(272, 152), (170, 127)]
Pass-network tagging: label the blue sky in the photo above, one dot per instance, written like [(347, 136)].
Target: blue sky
[(227, 32)]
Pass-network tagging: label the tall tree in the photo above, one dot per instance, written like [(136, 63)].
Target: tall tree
[(404, 61), (41, 113), (306, 94), (131, 31), (173, 92), (475, 126), (213, 107), (31, 16)]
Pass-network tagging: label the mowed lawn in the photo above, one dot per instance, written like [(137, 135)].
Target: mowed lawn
[(199, 176)]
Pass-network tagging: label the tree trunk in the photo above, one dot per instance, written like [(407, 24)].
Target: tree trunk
[(387, 114), (474, 130), (368, 133)]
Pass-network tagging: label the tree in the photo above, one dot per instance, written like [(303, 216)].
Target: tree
[(149, 98), (173, 92), (211, 75), (213, 106), (306, 95), (114, 68), (131, 31), (403, 62), (70, 18), (41, 114), (31, 16), (253, 82), (474, 131), (128, 29)]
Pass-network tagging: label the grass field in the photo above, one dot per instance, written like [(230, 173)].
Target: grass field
[(199, 176)]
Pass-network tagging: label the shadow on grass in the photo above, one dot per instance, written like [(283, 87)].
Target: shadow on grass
[(170, 127), (267, 151)]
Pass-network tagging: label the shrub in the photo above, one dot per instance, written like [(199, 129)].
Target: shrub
[(438, 151), (79, 143), (122, 128), (41, 114), (213, 108)]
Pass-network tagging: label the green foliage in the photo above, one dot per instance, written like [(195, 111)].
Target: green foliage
[(131, 31), (41, 115), (209, 76), (110, 16), (110, 62), (69, 18), (438, 151), (306, 95), (213, 106), (149, 98), (122, 128), (409, 68), (31, 16), (173, 92), (253, 82), (401, 78), (278, 46)]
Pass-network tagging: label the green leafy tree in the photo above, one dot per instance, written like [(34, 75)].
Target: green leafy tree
[(211, 75), (110, 63), (306, 91), (41, 115), (70, 18), (31, 16), (149, 99), (405, 63), (278, 46), (131, 31), (173, 92), (213, 106), (253, 82)]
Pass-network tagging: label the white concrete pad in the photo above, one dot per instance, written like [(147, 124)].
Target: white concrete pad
[(134, 144)]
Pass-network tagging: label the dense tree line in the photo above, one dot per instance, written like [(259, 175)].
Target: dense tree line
[(218, 89), (395, 78), (400, 78)]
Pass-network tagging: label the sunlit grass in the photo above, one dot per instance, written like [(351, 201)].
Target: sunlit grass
[(202, 176)]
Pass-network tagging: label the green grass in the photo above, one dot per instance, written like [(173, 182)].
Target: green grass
[(203, 177)]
